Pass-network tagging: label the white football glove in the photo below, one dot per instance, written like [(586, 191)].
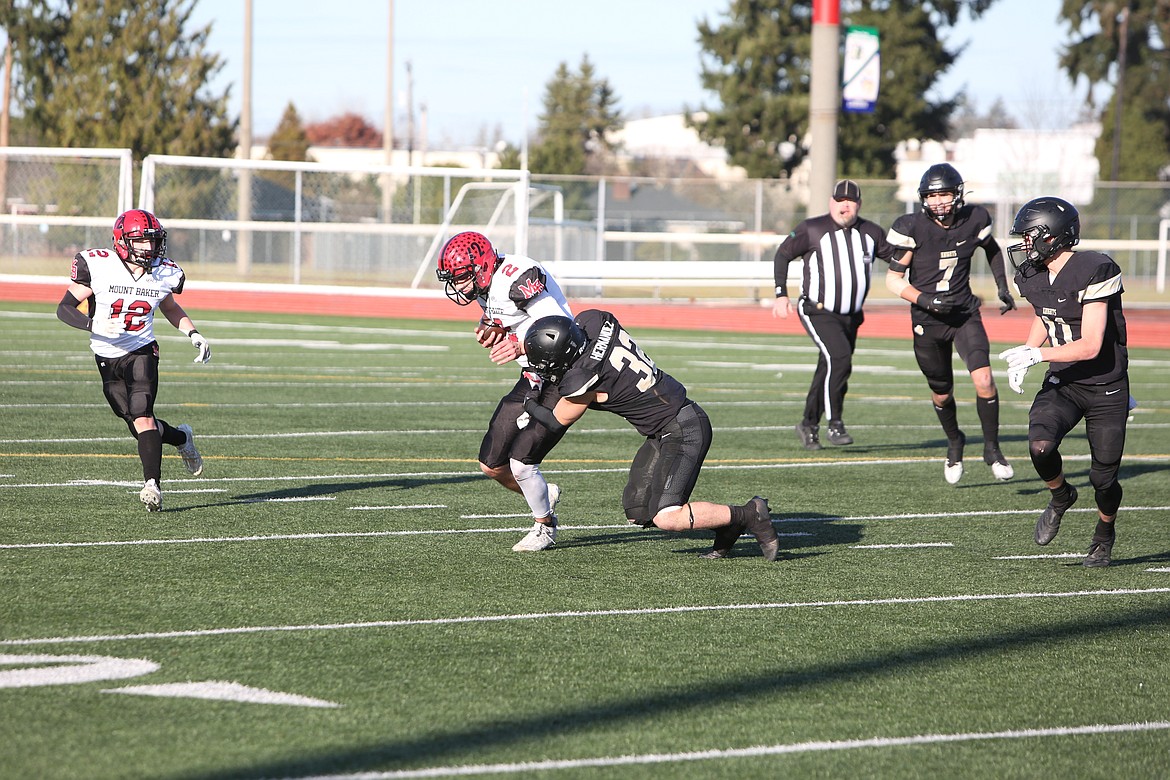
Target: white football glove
[(1016, 380), (201, 344), (109, 327), (1019, 360)]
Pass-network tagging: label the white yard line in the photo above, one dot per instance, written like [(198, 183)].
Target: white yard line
[(479, 619), (466, 770)]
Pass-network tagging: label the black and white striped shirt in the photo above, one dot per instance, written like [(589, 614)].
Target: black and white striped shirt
[(837, 261)]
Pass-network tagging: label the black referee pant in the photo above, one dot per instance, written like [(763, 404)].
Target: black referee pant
[(835, 336)]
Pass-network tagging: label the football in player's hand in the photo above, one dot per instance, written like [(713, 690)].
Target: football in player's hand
[(489, 334)]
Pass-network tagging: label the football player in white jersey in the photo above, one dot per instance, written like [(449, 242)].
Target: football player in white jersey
[(514, 292), (113, 294)]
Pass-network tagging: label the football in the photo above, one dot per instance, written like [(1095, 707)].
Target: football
[(86, 306), (489, 334)]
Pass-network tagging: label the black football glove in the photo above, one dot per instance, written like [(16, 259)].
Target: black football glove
[(935, 303), (1008, 301)]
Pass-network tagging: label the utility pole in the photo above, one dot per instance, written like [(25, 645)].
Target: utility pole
[(1118, 102), (388, 120), (244, 197), (824, 100)]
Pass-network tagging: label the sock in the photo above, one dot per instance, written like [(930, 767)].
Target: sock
[(1104, 532), (1062, 494), (988, 409), (740, 514), (170, 434), (150, 453), (949, 417)]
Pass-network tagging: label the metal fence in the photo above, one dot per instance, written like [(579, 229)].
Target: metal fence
[(303, 223)]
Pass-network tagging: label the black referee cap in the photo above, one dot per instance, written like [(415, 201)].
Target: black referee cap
[(847, 189)]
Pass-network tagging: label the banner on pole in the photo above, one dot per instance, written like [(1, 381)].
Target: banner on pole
[(862, 70)]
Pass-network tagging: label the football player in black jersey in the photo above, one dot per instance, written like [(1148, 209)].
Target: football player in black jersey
[(932, 270), (1077, 300), (596, 364)]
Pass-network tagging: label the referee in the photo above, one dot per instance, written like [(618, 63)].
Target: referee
[(837, 252)]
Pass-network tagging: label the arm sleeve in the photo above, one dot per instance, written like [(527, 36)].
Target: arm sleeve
[(68, 313), (998, 264), (543, 415)]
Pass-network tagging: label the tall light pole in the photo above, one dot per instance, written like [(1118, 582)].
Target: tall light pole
[(824, 100), (244, 196), (388, 119)]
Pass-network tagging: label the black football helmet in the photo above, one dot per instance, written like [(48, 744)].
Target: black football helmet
[(941, 178), (1048, 226), (553, 344)]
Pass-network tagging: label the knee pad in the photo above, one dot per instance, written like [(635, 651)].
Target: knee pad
[(1046, 459)]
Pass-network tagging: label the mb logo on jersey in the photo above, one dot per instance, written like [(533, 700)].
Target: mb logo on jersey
[(531, 288)]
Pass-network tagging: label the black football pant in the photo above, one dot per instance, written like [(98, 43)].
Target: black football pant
[(835, 336)]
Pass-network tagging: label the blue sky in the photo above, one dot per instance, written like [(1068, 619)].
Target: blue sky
[(480, 67)]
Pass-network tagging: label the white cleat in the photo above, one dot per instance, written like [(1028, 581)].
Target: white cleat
[(541, 537), (1003, 471), (192, 460), (953, 472), (151, 496)]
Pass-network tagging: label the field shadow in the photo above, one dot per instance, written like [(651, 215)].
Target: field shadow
[(459, 745), (319, 489)]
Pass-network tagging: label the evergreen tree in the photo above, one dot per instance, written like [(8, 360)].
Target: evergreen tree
[(580, 111), (289, 141), (757, 60), (1095, 53), (117, 73)]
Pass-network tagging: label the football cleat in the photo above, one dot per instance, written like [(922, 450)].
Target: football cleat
[(192, 460), (1100, 554), (761, 527), (725, 539), (541, 537), (953, 471), (999, 465), (808, 436), (837, 433), (151, 496), (1049, 522)]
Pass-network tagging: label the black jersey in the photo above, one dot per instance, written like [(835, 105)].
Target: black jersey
[(837, 261), (639, 391), (942, 255), (1060, 303)]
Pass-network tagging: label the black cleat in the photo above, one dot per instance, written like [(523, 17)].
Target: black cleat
[(760, 527), (808, 436), (1100, 553), (1049, 522), (837, 433), (725, 539)]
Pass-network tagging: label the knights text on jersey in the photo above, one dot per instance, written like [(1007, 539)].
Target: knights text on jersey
[(942, 256), (1087, 277), (118, 294), (837, 261), (639, 392), (521, 292)]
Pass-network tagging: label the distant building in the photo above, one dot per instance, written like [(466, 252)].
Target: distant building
[(669, 138), (1010, 167)]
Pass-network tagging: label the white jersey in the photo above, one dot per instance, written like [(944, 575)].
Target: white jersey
[(521, 292), (116, 293)]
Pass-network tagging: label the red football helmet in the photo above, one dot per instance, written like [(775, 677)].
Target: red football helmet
[(139, 224), (467, 257)]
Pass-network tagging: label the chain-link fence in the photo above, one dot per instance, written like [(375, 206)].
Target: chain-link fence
[(380, 226)]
